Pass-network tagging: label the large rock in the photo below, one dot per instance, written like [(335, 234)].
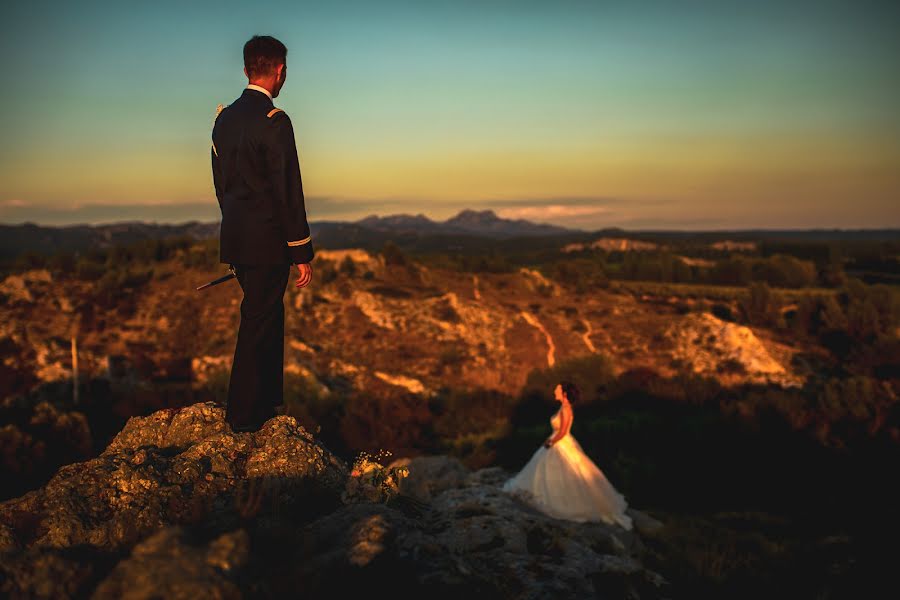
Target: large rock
[(174, 467), (711, 346), (179, 506), (167, 565)]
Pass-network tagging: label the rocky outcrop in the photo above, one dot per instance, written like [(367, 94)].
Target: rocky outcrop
[(612, 245), (492, 537), (179, 506), (711, 346), (25, 286), (360, 258), (169, 468)]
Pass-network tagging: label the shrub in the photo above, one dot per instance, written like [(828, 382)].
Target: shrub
[(723, 311), (88, 270), (592, 373), (782, 270), (399, 422), (348, 267), (762, 307), (325, 270), (392, 254)]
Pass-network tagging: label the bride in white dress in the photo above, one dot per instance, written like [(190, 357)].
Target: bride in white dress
[(562, 481)]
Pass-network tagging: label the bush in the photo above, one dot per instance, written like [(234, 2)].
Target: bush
[(29, 260), (591, 373), (737, 270), (204, 255), (398, 422), (88, 270), (459, 412), (325, 270), (581, 274), (348, 267), (393, 255), (723, 311), (315, 407), (782, 270), (761, 307)]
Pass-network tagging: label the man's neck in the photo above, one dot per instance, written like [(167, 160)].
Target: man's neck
[(259, 88)]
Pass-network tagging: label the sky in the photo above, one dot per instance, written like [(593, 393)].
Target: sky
[(640, 115)]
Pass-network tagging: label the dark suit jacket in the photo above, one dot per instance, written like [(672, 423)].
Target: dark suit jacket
[(256, 173)]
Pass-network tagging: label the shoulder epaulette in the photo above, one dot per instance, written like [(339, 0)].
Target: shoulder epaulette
[(274, 112), (219, 109)]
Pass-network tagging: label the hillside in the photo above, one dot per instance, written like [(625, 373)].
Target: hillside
[(380, 325)]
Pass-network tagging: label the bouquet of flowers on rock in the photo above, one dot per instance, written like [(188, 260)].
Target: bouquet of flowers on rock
[(370, 481)]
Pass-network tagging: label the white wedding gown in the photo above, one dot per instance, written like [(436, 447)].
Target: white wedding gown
[(563, 482)]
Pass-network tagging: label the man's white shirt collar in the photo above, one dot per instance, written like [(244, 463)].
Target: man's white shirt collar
[(260, 89)]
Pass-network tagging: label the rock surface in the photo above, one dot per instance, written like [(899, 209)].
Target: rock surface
[(179, 506), (710, 346)]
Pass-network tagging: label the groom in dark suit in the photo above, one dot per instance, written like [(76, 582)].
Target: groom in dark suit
[(256, 173)]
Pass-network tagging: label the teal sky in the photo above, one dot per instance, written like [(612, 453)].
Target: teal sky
[(689, 115)]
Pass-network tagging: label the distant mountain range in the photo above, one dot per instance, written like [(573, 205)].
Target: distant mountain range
[(44, 239), (29, 237), (468, 228), (473, 222)]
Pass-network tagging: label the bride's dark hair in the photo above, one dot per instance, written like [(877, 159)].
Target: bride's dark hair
[(571, 391)]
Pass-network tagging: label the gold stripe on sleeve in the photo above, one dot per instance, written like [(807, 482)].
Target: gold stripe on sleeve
[(305, 240), (214, 149), (274, 112)]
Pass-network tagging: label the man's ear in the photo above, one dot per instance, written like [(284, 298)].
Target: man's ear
[(280, 73), (246, 73)]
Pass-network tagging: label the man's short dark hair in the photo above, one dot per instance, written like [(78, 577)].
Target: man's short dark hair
[(262, 55)]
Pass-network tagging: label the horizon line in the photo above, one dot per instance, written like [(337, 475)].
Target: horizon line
[(568, 229)]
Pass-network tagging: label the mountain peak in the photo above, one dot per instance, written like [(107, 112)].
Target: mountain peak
[(399, 220), (469, 221), (469, 213)]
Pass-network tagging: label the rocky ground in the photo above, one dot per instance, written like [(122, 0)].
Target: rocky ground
[(178, 506), (406, 325)]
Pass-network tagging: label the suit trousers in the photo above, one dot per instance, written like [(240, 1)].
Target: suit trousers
[(257, 373)]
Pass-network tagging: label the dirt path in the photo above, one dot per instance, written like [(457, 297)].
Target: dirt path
[(551, 347), (586, 336)]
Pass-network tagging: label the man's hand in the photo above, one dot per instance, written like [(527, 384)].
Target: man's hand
[(305, 274), (548, 443)]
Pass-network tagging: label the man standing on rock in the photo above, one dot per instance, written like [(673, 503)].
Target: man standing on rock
[(256, 173)]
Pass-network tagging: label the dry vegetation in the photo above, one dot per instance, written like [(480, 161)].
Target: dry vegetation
[(700, 398)]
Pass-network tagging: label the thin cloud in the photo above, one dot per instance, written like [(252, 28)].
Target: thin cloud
[(13, 203), (576, 213), (551, 211)]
